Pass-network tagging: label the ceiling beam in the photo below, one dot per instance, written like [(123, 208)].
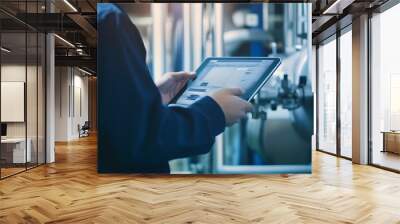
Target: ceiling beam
[(82, 61), (86, 26), (337, 7)]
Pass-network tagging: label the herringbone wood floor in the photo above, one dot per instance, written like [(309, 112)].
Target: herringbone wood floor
[(70, 191)]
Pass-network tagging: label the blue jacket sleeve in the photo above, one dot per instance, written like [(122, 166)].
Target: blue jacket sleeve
[(137, 133), (183, 132)]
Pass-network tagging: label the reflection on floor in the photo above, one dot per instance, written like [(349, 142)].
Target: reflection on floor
[(71, 191), (9, 170), (346, 152), (386, 159)]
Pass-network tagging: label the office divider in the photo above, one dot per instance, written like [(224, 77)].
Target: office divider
[(22, 88)]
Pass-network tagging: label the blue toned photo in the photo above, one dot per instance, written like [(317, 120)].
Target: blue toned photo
[(204, 88)]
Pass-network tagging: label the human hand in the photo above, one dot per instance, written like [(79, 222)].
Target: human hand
[(234, 107), (171, 83)]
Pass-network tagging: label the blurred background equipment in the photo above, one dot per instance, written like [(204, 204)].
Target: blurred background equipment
[(276, 137)]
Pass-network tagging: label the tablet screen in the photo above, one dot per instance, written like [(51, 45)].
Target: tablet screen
[(249, 74)]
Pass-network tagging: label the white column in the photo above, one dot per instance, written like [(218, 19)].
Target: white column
[(219, 51), (360, 90), (159, 19), (50, 99), (187, 38), (63, 104), (219, 29), (197, 34)]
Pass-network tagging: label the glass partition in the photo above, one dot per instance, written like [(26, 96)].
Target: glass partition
[(41, 97), (31, 100), (14, 153), (346, 94), (22, 90), (327, 96), (385, 89)]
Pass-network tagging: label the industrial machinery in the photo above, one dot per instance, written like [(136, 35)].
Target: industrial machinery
[(276, 137)]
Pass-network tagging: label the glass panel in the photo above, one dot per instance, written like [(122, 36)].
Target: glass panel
[(31, 97), (31, 88), (41, 98), (23, 89), (327, 97), (385, 89), (13, 89), (346, 94)]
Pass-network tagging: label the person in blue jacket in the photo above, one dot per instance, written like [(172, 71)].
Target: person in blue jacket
[(137, 131)]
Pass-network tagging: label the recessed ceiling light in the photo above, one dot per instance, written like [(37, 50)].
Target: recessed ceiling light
[(84, 71), (70, 5), (337, 7), (5, 50), (64, 40)]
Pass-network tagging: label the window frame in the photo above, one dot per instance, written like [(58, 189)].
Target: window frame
[(334, 37)]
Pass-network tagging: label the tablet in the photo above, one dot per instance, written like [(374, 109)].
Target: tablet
[(247, 73)]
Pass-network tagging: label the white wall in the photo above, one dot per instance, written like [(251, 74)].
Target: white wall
[(12, 73), (16, 73), (61, 103), (71, 92), (79, 117), (33, 127)]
